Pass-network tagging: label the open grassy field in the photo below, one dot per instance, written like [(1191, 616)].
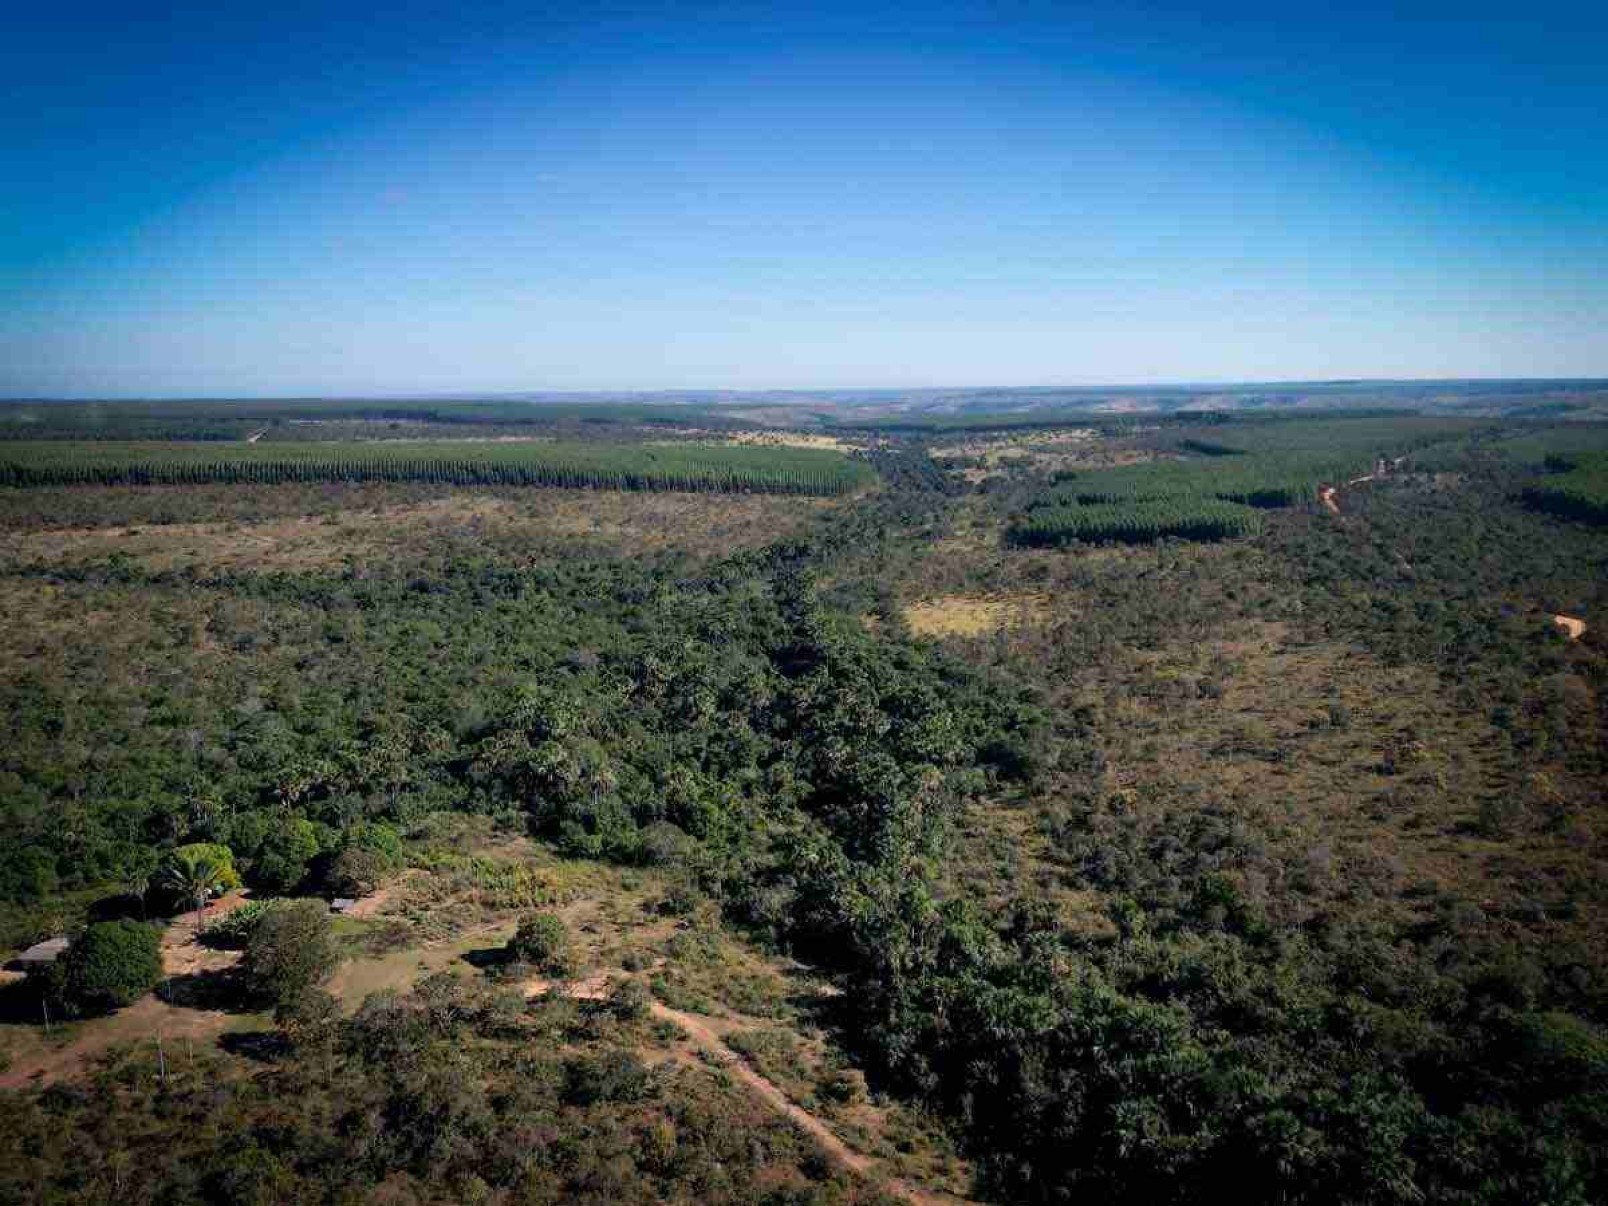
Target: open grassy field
[(375, 523)]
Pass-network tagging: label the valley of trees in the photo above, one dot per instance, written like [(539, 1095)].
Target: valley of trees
[(1083, 894)]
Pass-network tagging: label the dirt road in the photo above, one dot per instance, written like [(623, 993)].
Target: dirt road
[(708, 1041), (1574, 627)]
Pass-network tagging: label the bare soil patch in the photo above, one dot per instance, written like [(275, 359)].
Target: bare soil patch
[(1574, 627), (38, 1058)]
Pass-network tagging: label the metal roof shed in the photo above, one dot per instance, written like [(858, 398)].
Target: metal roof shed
[(43, 953)]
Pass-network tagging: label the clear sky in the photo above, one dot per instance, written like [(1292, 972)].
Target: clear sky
[(415, 198)]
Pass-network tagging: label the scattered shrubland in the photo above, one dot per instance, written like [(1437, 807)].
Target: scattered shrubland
[(1177, 988)]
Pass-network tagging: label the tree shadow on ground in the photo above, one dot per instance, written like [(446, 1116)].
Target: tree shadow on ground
[(259, 1046), (20, 1003), (222, 991), (487, 958)]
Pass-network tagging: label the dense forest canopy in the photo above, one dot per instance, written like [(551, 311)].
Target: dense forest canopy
[(1261, 854)]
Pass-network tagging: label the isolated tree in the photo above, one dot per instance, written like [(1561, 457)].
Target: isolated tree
[(193, 878), (112, 964), (356, 871), (282, 860), (543, 941), (289, 952), (141, 876)]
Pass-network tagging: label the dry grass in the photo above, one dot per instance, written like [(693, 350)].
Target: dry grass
[(1364, 769), (1020, 444), (67, 1051), (451, 922), (793, 439), (1048, 451), (975, 615), (507, 522)]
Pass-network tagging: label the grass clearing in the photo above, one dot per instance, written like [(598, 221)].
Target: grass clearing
[(975, 615), (518, 526)]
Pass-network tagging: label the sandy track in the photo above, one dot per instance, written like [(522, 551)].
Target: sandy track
[(595, 988), (1573, 626)]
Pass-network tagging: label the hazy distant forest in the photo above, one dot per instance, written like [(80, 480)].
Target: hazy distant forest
[(792, 803)]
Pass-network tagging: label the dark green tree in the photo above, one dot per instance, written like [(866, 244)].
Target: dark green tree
[(543, 941), (289, 952), (111, 964)]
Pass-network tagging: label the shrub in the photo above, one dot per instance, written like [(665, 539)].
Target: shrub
[(356, 871), (309, 1019), (379, 837), (663, 844), (612, 1076), (543, 941), (290, 951), (846, 1086), (630, 1001), (681, 899), (234, 929), (112, 964)]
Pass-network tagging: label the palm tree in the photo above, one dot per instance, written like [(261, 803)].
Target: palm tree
[(138, 882), (194, 879)]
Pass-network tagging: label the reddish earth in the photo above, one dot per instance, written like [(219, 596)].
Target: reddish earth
[(150, 1019), (370, 905)]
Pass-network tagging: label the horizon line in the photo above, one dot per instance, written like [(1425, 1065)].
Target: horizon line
[(539, 394)]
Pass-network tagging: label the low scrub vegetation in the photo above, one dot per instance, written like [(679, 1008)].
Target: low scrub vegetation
[(1266, 867)]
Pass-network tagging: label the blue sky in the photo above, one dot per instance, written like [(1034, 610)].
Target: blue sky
[(430, 197)]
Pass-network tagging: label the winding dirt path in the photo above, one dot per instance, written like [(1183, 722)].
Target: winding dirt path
[(178, 1026), (594, 988), (1329, 496), (370, 905)]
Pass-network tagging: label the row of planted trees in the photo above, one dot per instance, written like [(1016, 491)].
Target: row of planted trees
[(699, 468), (1578, 491), (1216, 498), (1135, 523)]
